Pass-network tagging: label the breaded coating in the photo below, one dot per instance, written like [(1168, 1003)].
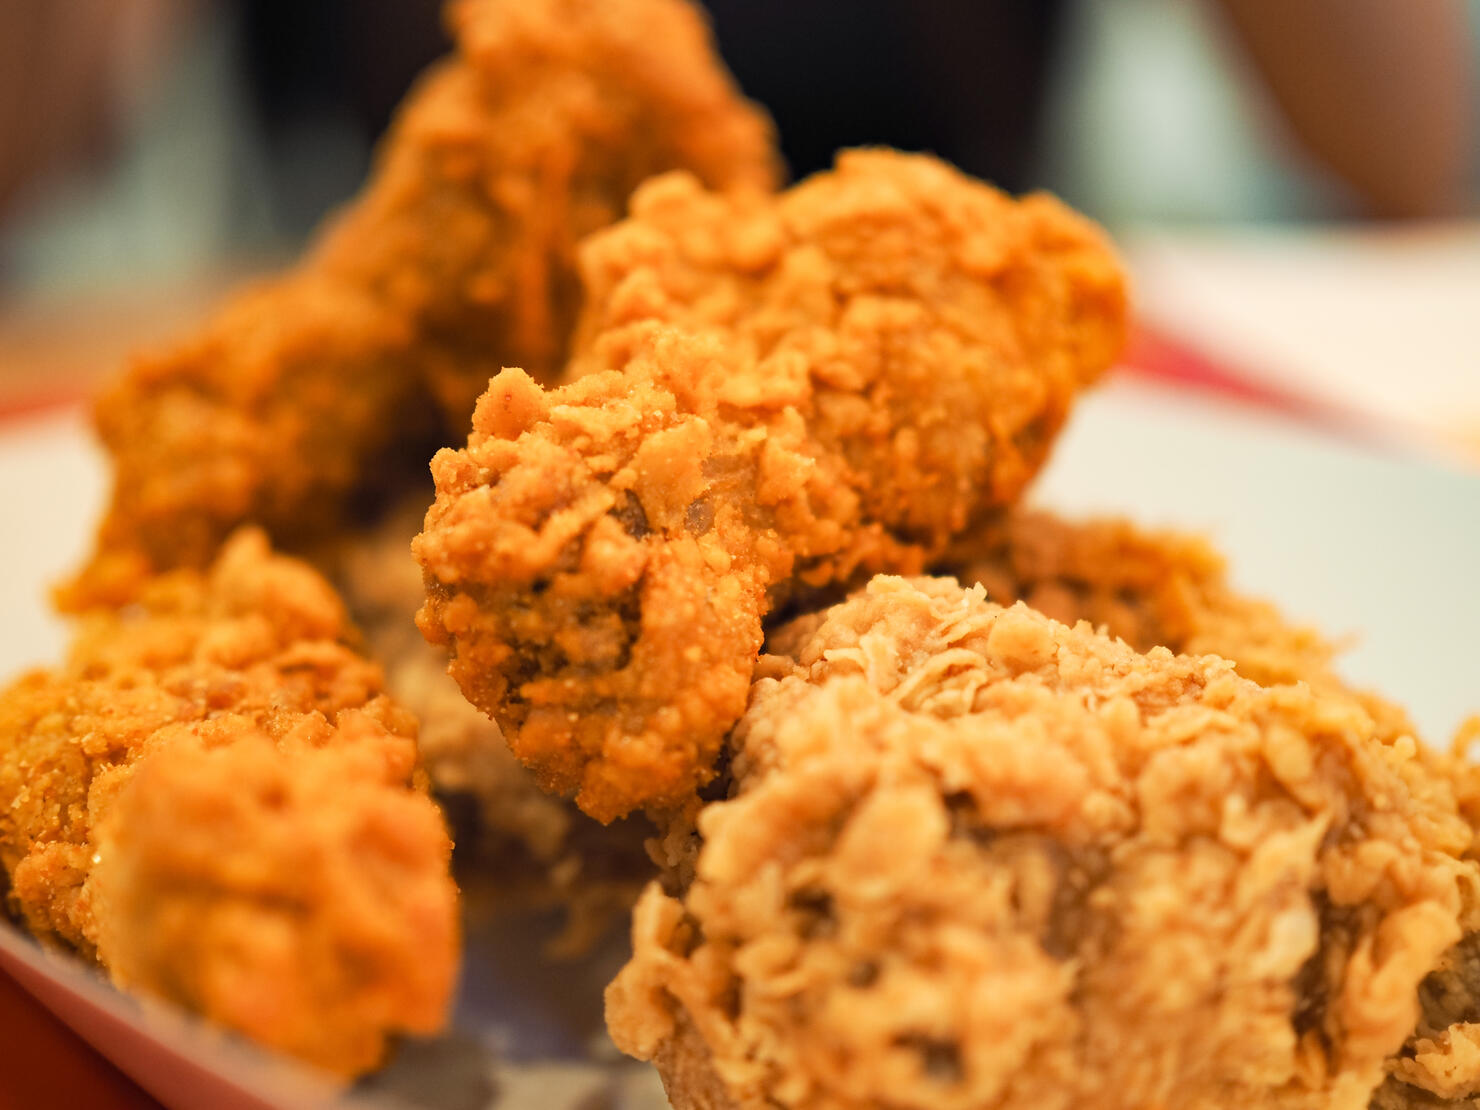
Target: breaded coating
[(515, 843), (1440, 1064), (1151, 588), (458, 259), (290, 888), (799, 391), (977, 858), (214, 799), (273, 414), (1167, 588)]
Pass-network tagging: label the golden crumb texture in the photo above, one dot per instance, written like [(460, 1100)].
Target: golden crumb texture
[(458, 258), (213, 797), (516, 844), (770, 395), (974, 857)]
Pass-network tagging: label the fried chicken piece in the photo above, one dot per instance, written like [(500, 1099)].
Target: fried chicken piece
[(1439, 1067), (1440, 1064), (214, 799), (1166, 588), (290, 888), (977, 858), (802, 390), (515, 843), (457, 260), (1151, 588)]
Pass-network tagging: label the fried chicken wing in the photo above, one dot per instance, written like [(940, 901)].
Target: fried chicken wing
[(457, 260), (977, 858), (214, 799), (770, 396)]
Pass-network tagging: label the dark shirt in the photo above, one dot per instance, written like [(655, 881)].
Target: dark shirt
[(962, 78)]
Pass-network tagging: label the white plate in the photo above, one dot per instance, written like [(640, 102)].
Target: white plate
[(1354, 540)]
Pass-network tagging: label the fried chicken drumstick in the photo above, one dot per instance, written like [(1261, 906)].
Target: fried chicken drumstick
[(976, 858), (770, 396), (213, 798), (457, 260)]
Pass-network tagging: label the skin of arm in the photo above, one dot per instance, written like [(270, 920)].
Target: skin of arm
[(1378, 93)]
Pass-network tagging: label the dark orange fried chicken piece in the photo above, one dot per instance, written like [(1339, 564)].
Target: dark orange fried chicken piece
[(516, 845), (214, 799), (457, 260), (976, 858), (797, 391)]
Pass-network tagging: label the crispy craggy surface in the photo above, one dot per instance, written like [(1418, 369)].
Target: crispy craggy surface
[(1150, 588), (1440, 1064), (214, 799), (1157, 587), (1154, 588), (978, 858), (516, 845), (770, 396), (457, 259)]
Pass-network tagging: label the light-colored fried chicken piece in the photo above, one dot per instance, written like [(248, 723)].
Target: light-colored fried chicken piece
[(799, 391), (1166, 588), (515, 843), (977, 858), (458, 259), (213, 798), (1439, 1067)]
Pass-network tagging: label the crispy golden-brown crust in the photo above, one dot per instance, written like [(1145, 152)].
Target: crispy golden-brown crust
[(1439, 1067), (516, 843), (794, 392), (1150, 588), (977, 858), (291, 888), (457, 260), (1440, 1064), (214, 799), (1165, 588)]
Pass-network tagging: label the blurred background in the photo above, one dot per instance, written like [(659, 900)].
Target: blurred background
[(153, 151), (147, 140)]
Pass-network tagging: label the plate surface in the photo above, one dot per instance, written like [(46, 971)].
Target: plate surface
[(1362, 543)]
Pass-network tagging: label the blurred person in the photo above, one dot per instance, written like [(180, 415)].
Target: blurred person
[(67, 71), (1181, 111), (165, 134), (275, 116), (1378, 95)]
